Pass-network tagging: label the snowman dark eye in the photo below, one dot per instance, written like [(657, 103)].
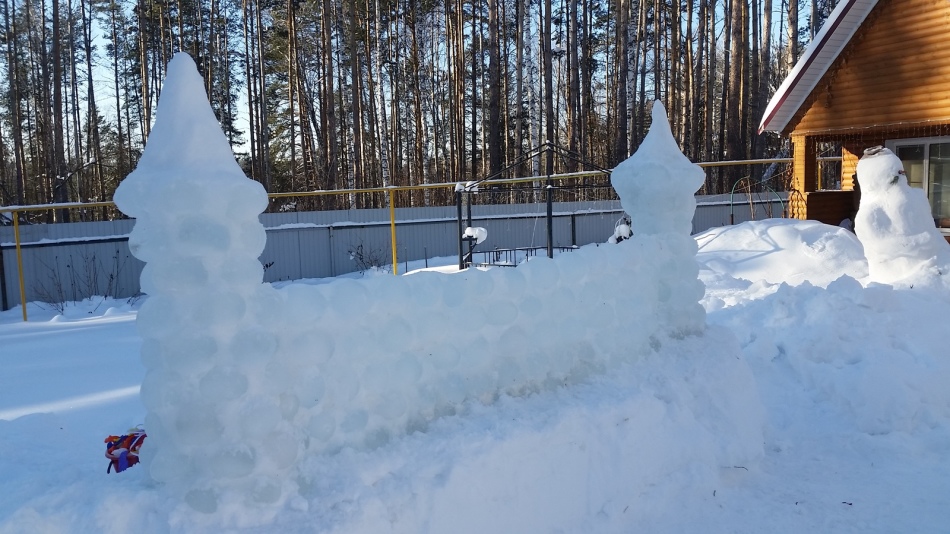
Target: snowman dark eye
[(895, 179)]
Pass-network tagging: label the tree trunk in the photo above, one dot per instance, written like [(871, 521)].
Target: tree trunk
[(356, 98), (574, 84), (548, 86), (792, 32), (13, 83), (494, 96), (623, 64)]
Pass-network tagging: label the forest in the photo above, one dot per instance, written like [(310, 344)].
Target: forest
[(350, 94)]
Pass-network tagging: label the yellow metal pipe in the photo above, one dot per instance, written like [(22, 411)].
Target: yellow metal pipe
[(19, 262), (392, 229), (743, 162)]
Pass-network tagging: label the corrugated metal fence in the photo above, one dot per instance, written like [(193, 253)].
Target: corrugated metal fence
[(71, 261)]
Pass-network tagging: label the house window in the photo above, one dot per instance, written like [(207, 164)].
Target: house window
[(927, 164)]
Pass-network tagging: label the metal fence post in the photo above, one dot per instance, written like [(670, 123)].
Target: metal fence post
[(458, 209), (550, 200)]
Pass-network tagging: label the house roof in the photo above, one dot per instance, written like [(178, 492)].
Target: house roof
[(817, 58)]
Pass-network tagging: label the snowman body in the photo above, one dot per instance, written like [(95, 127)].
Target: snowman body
[(894, 223)]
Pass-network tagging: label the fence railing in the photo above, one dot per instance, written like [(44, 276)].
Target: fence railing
[(279, 237)]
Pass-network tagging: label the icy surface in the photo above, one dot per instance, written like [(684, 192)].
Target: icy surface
[(894, 223)]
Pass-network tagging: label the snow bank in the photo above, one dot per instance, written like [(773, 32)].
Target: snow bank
[(895, 225), (782, 250), (871, 353)]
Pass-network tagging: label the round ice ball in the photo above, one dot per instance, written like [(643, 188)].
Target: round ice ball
[(308, 349), (310, 388), (266, 490), (199, 423), (470, 318), (541, 273), (479, 284), (349, 297), (376, 438), (250, 238), (389, 405), (157, 317), (437, 320), (231, 462), (247, 198), (442, 356), (202, 500), (241, 272), (140, 245), (453, 292), (406, 369), (559, 299), (200, 234), (289, 404), (452, 389), (151, 354), (168, 466), (397, 331), (503, 312), (222, 384), (513, 340), (189, 354), (377, 376), (306, 304), (530, 307), (345, 384), (510, 373), (268, 308), (509, 282), (354, 421), (154, 387), (259, 418), (219, 308), (572, 266), (252, 344), (321, 427), (481, 383), (175, 274)]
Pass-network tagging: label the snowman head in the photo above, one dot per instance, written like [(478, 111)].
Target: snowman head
[(879, 170)]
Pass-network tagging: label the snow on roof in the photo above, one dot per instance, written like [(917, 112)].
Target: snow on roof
[(828, 43)]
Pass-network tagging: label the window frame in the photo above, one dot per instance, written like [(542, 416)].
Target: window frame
[(894, 144)]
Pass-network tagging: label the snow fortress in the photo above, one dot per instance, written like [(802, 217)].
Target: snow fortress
[(245, 380)]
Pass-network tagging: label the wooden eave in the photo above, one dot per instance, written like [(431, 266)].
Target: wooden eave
[(790, 100)]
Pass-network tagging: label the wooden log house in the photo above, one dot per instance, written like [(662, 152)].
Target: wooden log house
[(877, 73)]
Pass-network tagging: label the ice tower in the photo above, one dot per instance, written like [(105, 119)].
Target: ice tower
[(656, 186), (197, 229)]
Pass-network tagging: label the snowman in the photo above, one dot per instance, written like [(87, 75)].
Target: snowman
[(901, 242)]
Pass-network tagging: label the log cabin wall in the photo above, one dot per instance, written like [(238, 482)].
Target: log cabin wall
[(892, 81), (895, 71)]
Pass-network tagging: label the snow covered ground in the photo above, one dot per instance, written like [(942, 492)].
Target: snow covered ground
[(765, 377), (850, 394)]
